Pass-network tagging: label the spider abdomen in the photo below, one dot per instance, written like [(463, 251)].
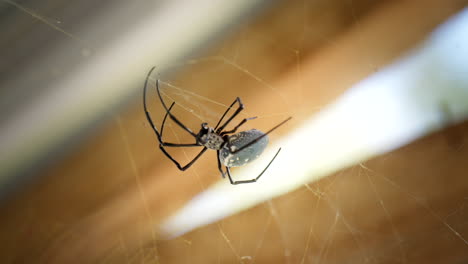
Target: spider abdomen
[(246, 155)]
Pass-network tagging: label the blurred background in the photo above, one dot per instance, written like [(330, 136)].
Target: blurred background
[(82, 179)]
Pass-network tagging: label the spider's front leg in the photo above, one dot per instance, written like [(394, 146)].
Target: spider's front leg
[(238, 110), (168, 144), (163, 144), (173, 118), (236, 127)]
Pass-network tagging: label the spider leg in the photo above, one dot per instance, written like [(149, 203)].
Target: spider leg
[(235, 128), (238, 110), (188, 165), (257, 139), (168, 112), (168, 144), (150, 120), (254, 179), (165, 116), (220, 167), (227, 110), (163, 144)]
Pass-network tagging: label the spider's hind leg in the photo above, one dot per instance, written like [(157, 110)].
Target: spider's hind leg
[(258, 138), (165, 117), (220, 167), (254, 179)]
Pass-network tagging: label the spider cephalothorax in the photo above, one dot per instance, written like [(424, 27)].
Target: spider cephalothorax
[(233, 149), (207, 137)]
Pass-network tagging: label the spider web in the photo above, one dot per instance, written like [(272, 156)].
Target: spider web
[(373, 212)]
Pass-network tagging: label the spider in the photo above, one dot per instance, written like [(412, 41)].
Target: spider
[(233, 149)]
